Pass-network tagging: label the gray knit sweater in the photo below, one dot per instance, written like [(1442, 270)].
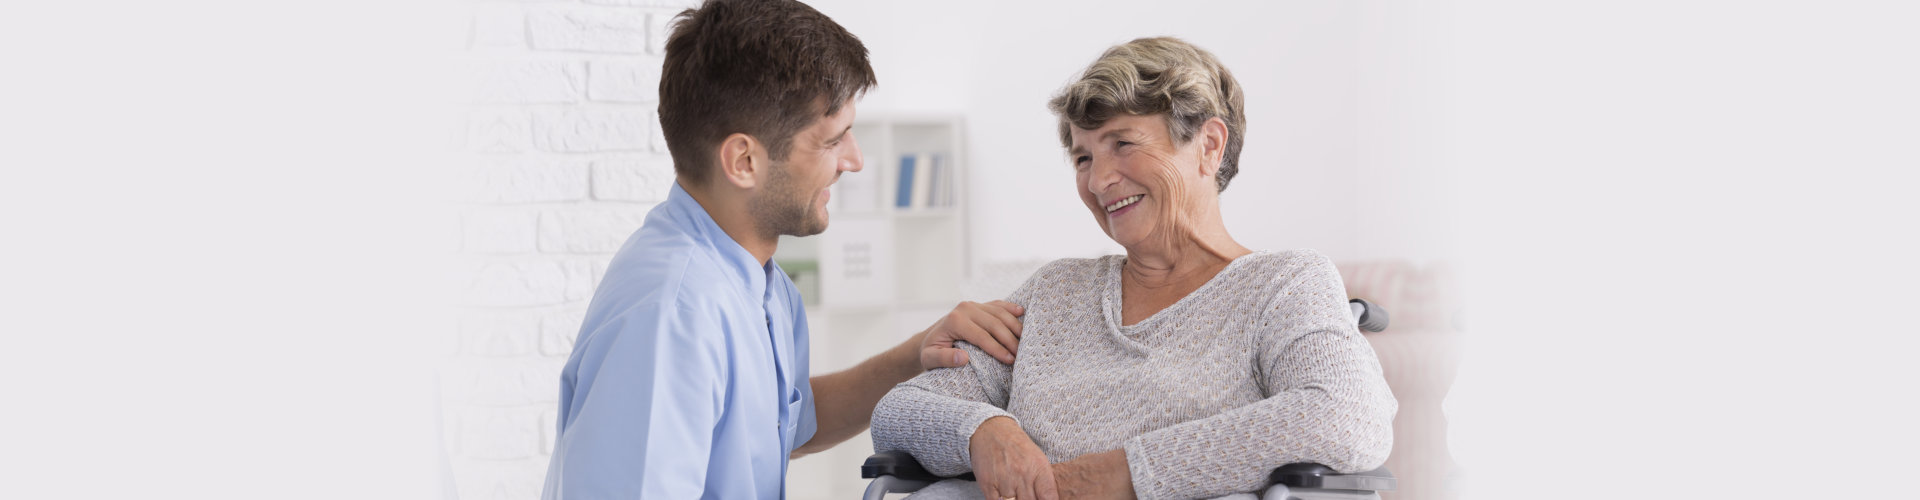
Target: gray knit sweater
[(1258, 368)]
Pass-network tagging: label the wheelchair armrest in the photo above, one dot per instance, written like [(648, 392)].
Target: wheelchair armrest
[(1309, 475), (900, 464)]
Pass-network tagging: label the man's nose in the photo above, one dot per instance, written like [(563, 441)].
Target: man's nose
[(852, 160)]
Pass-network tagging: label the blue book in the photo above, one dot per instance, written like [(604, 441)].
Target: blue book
[(904, 198)]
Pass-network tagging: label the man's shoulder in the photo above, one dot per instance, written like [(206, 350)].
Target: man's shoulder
[(661, 275), (668, 258)]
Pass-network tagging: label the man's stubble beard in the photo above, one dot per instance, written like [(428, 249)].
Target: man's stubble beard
[(785, 208)]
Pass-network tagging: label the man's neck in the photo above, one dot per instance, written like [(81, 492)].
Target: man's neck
[(729, 210)]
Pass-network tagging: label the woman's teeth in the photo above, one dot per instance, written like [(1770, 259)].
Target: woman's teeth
[(1124, 202)]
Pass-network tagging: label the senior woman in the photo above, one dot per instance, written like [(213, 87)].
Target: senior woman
[(1190, 367)]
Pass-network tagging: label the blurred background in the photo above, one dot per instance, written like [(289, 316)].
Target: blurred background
[(341, 251)]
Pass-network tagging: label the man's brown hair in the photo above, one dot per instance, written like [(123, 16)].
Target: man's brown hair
[(758, 67)]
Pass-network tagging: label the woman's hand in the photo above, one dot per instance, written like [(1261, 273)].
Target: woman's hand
[(1094, 475), (1006, 463), (993, 327)]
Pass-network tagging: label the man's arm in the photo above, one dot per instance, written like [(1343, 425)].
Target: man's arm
[(844, 400)]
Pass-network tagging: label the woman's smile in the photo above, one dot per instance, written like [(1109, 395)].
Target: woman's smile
[(1124, 205)]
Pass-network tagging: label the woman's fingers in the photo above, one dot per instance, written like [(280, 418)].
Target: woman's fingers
[(1007, 464), (1037, 476), (1043, 485), (988, 490), (1002, 485)]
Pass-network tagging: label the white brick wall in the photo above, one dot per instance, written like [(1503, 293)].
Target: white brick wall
[(565, 161)]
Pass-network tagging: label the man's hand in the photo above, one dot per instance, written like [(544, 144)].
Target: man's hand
[(994, 327), (1006, 463), (1094, 475)]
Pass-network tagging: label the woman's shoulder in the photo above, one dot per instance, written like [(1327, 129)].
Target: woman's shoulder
[(1080, 266), (1286, 262), (1290, 269), (1065, 276), (1073, 271)]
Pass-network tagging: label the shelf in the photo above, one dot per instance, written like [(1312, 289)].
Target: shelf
[(927, 213)]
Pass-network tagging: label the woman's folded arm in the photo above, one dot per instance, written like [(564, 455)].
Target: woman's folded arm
[(933, 416)]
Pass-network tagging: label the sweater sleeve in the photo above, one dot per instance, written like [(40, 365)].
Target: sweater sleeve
[(1327, 402), (933, 415)]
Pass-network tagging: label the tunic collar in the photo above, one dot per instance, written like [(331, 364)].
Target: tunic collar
[(741, 266)]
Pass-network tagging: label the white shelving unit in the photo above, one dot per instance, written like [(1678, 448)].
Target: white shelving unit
[(880, 272)]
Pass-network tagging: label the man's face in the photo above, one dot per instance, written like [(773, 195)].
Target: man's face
[(794, 200)]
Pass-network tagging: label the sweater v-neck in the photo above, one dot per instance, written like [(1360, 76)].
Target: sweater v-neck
[(1111, 300)]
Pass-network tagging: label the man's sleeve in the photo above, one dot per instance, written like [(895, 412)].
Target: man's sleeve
[(650, 392)]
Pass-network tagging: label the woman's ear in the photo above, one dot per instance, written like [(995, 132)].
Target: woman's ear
[(738, 164), (1213, 145)]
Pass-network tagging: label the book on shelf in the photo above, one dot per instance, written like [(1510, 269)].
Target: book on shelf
[(903, 195), (938, 184), (925, 172), (947, 181), (925, 181)]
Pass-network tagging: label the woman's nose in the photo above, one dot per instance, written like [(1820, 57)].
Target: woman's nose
[(1102, 174)]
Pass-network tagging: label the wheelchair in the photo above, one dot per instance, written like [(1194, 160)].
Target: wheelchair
[(899, 472)]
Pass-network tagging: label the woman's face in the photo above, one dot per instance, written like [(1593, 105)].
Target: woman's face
[(1137, 182)]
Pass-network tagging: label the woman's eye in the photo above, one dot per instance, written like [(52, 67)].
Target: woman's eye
[(1121, 144), (1082, 160)]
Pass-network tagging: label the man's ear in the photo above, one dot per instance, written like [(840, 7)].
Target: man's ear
[(1213, 145), (738, 165)]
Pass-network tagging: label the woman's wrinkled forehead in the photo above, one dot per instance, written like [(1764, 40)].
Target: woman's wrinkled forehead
[(1134, 128)]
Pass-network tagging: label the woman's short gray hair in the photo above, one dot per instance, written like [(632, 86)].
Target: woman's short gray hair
[(1151, 76)]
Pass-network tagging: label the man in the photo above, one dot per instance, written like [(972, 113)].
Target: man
[(690, 377)]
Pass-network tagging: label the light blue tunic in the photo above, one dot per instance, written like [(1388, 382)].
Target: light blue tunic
[(689, 377)]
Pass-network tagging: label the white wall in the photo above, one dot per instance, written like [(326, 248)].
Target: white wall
[(221, 227), (1689, 245)]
